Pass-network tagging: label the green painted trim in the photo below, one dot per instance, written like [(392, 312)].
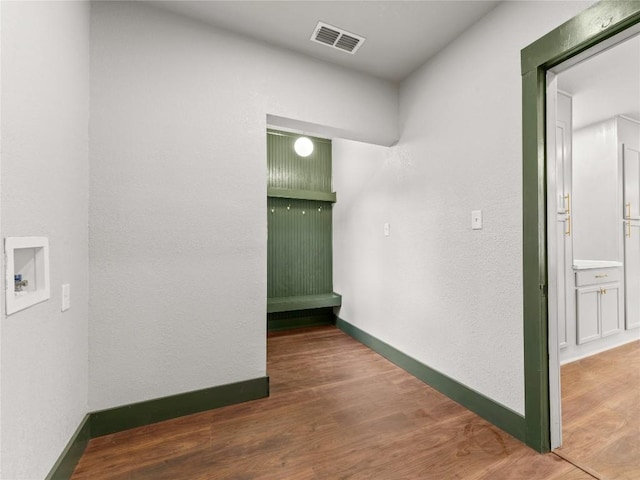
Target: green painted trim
[(68, 459), (536, 351), (501, 416), (300, 319), (301, 194), (600, 22), (125, 417), (287, 304)]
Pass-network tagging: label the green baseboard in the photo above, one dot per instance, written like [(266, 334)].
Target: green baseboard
[(138, 414), (68, 459), (122, 418), (499, 415)]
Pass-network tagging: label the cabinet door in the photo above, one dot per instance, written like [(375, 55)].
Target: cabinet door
[(610, 309), (587, 313), (632, 274), (631, 182)]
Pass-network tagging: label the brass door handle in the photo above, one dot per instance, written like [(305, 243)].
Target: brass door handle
[(628, 207), (603, 291), (567, 203), (604, 275), (568, 230), (628, 229)]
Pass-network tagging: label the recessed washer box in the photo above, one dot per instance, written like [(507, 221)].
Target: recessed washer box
[(27, 263)]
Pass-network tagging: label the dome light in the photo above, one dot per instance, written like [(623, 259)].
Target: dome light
[(303, 146)]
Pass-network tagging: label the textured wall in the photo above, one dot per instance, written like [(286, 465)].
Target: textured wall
[(178, 225), (45, 113), (436, 290)]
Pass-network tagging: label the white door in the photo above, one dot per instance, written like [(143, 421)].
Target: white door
[(631, 188), (556, 256)]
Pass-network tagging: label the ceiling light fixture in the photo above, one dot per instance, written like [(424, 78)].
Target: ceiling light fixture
[(303, 146)]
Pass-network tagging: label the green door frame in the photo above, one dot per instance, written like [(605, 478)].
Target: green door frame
[(596, 24)]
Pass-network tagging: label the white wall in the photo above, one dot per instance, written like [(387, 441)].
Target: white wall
[(45, 110), (438, 291), (178, 193)]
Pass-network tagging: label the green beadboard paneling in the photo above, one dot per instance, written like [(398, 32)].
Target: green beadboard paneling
[(287, 170), (300, 250)]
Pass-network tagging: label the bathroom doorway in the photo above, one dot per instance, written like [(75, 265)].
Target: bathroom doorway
[(593, 140)]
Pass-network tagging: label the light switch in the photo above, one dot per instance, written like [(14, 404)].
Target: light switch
[(476, 219), (387, 230), (66, 296)]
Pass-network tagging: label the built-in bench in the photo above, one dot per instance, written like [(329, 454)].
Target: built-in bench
[(305, 302)]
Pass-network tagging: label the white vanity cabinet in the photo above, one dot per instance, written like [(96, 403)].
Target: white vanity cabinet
[(599, 304)]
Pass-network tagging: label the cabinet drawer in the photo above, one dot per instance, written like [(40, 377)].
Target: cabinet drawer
[(596, 276)]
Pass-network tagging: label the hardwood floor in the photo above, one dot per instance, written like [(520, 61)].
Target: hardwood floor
[(337, 410), (601, 413)]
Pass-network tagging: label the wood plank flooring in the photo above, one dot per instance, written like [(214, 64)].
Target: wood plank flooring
[(601, 413), (337, 410)]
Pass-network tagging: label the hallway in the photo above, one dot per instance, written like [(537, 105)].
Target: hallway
[(336, 410)]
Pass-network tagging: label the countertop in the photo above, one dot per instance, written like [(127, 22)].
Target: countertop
[(588, 264)]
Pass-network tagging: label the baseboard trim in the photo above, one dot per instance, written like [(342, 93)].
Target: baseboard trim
[(138, 414), (113, 420), (68, 459), (499, 415)]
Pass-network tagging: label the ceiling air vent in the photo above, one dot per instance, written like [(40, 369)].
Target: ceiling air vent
[(337, 38)]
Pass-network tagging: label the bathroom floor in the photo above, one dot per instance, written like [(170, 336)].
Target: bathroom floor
[(600, 412)]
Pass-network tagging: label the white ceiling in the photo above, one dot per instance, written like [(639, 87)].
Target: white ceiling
[(605, 85), (400, 35)]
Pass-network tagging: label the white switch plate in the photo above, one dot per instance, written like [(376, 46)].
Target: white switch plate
[(387, 230), (66, 297), (476, 219)]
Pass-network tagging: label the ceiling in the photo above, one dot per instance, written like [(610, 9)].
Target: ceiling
[(400, 35), (605, 85)]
